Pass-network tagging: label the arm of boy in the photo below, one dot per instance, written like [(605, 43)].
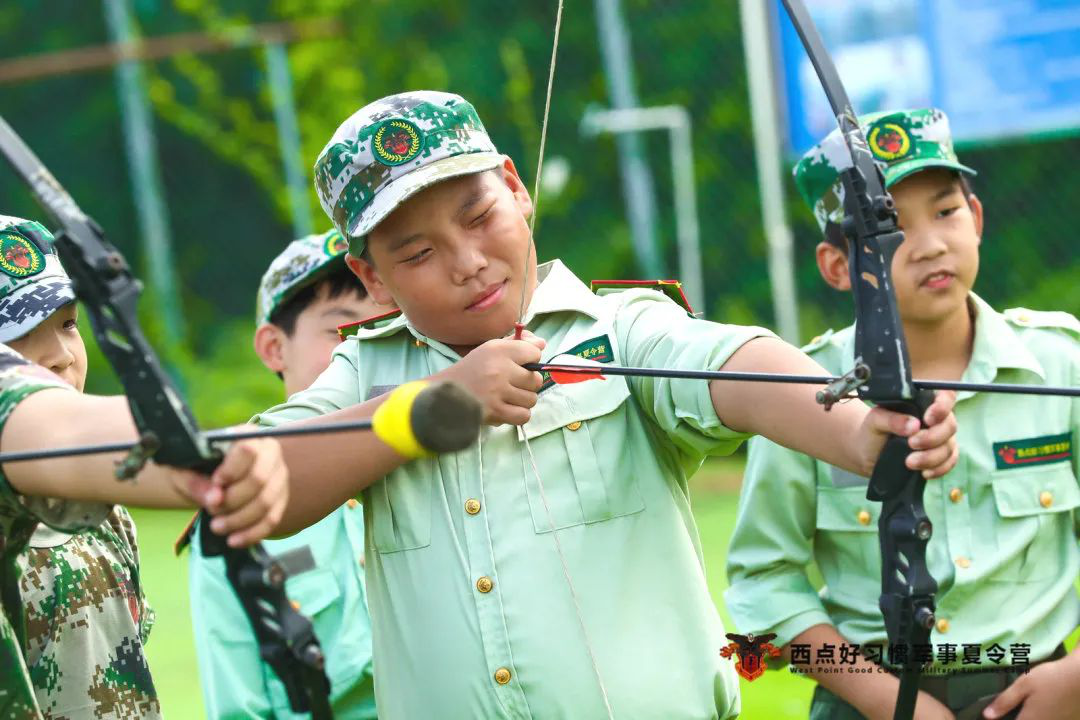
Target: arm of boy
[(872, 693), (249, 488), (493, 372), (1051, 689), (850, 436)]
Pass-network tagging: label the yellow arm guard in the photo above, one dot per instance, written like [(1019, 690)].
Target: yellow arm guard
[(392, 421)]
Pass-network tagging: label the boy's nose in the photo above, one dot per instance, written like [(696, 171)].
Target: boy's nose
[(468, 262), (57, 355), (925, 245)]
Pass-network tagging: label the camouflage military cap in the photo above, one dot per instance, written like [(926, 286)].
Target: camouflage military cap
[(393, 148), (33, 283), (902, 142), (302, 263)]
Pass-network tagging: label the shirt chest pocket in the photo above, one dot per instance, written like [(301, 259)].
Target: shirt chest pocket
[(847, 525), (574, 432), (1035, 520), (399, 506)]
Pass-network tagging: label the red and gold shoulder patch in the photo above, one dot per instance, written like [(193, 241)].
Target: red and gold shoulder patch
[(671, 288), (350, 329)]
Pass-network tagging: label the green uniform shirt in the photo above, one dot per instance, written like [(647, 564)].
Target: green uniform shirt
[(1004, 549), (471, 613), (75, 619), (325, 563)]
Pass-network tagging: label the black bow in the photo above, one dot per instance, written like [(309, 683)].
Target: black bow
[(106, 287), (882, 374)]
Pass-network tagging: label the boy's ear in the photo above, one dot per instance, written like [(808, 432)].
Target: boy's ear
[(517, 186), (269, 346), (832, 263), (369, 276), (977, 213)]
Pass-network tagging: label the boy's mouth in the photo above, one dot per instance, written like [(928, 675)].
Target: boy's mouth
[(488, 297), (938, 280)]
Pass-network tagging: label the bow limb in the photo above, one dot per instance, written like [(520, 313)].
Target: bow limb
[(109, 292), (904, 530)]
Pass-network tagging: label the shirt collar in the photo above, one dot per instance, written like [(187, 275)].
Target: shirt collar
[(559, 290), (996, 347)]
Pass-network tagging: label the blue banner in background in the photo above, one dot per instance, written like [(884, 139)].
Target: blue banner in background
[(999, 68)]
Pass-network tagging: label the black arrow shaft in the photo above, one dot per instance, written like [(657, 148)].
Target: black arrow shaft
[(212, 436), (1010, 388)]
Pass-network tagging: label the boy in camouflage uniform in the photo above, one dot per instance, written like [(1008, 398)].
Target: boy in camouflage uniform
[(304, 296), (75, 617), (523, 581), (1004, 549)]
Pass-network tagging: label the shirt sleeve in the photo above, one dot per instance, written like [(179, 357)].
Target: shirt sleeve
[(227, 650), (19, 378), (652, 331), (336, 388), (773, 544)]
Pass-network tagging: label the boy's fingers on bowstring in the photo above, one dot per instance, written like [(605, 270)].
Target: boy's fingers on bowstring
[(535, 340), (516, 397), (512, 414), (528, 380)]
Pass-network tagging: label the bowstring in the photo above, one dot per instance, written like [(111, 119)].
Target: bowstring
[(519, 328)]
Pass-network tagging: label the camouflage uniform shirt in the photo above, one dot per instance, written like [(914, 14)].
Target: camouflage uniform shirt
[(75, 620)]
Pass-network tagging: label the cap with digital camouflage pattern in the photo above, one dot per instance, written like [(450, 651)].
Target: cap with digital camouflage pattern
[(393, 148), (302, 263), (33, 283), (902, 142)]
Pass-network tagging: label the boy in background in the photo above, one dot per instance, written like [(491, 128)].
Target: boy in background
[(304, 296), (1004, 549)]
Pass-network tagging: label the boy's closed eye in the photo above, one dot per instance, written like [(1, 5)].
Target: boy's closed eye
[(482, 216), (418, 257)]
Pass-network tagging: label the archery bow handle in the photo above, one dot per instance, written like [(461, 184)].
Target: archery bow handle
[(904, 530), (287, 641)]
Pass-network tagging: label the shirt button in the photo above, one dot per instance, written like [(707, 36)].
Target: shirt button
[(352, 503), (418, 342), (472, 506), (484, 584), (1046, 498), (574, 425), (863, 517), (295, 605), (956, 494), (963, 562), (361, 560), (502, 676), (943, 625)]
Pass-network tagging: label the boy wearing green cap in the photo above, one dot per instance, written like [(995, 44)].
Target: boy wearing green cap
[(553, 570), (1004, 549), (304, 296), (75, 619)]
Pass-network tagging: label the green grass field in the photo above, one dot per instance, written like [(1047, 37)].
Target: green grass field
[(777, 695)]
